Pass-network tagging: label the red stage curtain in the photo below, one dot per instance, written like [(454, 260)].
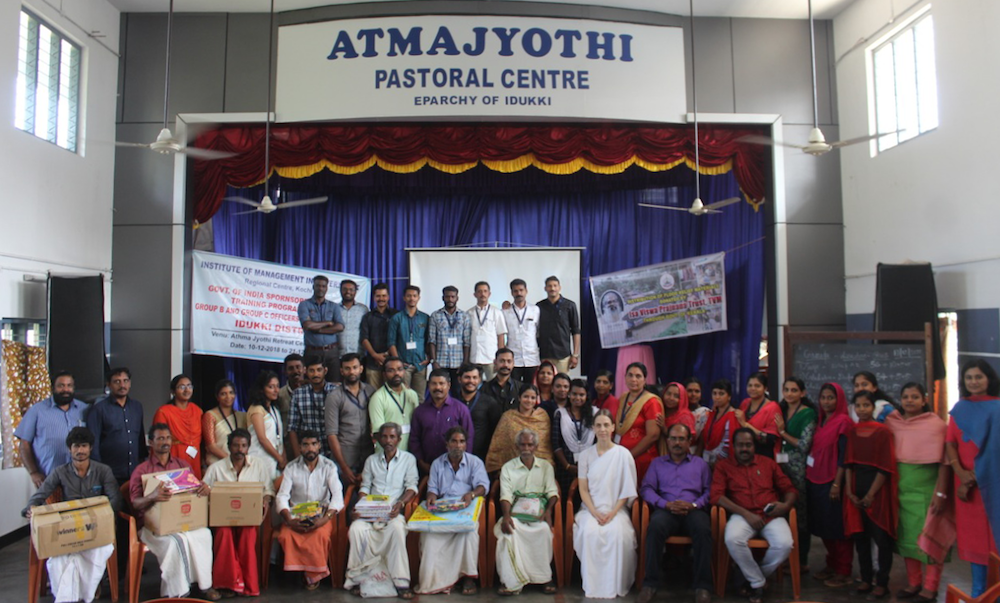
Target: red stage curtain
[(301, 151)]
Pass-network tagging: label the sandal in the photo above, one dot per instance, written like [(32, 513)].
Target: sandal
[(757, 595), (356, 591), (550, 588), (922, 599), (824, 575), (469, 587), (879, 592), (311, 586), (864, 589), (405, 593), (503, 592), (906, 593)]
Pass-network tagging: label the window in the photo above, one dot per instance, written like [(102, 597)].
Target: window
[(48, 83), (905, 82)]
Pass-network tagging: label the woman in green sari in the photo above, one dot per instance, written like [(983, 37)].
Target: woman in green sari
[(923, 484), (796, 425)]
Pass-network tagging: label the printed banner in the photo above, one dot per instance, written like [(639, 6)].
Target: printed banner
[(480, 66), (249, 309), (674, 299)]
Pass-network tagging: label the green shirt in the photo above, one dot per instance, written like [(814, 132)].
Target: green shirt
[(386, 406)]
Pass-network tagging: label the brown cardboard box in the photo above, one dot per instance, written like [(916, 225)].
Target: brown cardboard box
[(182, 513), (72, 526), (236, 504)]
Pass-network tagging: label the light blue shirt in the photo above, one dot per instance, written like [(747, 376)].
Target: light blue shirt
[(45, 426), (445, 482)]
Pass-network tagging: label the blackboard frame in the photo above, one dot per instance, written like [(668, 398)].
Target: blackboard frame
[(792, 338)]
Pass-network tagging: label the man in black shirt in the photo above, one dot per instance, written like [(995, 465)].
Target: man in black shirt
[(375, 335), (559, 328), (502, 387), (485, 410)]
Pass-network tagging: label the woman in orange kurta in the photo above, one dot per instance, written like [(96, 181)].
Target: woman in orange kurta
[(635, 418), (184, 419)]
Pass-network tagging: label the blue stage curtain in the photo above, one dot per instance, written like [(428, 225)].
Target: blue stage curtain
[(374, 216)]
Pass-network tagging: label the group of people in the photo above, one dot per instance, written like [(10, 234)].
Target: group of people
[(869, 474)]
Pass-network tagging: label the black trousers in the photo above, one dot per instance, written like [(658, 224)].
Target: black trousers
[(695, 524), (863, 544)]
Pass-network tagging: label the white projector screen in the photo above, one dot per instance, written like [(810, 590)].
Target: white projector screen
[(434, 269)]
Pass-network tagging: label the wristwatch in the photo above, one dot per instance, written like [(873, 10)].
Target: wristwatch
[(694, 505)]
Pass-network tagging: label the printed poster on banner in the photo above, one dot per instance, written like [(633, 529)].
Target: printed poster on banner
[(244, 308), (674, 299)]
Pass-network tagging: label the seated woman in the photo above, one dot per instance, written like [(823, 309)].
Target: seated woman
[(635, 419), (528, 415), (603, 536)]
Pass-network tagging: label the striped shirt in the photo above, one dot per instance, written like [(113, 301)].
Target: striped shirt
[(451, 333), (308, 412)]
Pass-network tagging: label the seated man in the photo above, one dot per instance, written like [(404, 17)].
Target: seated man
[(389, 472), (77, 576), (306, 540), (745, 486), (524, 548), (676, 487), (184, 557), (236, 547), (447, 557)]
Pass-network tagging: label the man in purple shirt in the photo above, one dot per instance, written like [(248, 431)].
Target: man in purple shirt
[(677, 487), (432, 420)]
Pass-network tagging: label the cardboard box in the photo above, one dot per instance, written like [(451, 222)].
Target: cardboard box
[(236, 504), (182, 513), (72, 526)]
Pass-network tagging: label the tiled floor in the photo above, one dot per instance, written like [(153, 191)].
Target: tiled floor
[(14, 568)]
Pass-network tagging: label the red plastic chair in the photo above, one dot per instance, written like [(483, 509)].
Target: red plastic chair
[(675, 540), (489, 574), (992, 593)]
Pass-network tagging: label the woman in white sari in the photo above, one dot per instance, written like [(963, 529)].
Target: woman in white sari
[(603, 536)]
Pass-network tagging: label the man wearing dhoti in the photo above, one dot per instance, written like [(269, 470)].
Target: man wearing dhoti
[(305, 538), (236, 546), (184, 557), (524, 546), (77, 576), (445, 558), (389, 472)]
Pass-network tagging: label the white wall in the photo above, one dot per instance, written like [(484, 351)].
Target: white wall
[(933, 198), (56, 204)]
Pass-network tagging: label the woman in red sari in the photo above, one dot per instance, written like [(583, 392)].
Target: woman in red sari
[(675, 410), (871, 512), (757, 413), (184, 419), (717, 437), (635, 419)]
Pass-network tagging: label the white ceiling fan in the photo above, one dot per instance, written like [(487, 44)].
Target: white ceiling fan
[(266, 205), (166, 143), (698, 208), (817, 144)]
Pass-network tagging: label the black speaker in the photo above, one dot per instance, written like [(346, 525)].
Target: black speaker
[(905, 299), (76, 332)]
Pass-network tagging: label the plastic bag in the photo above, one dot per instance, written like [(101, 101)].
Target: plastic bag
[(528, 507), (373, 578), (462, 520)]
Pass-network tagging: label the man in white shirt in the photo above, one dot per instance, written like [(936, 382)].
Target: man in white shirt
[(489, 330), (522, 332), (390, 472), (306, 540)]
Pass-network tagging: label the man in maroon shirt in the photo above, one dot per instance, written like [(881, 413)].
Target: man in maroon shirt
[(748, 487)]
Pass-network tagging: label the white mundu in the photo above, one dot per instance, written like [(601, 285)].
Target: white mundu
[(75, 576), (607, 553), (445, 558), (184, 557), (525, 555)]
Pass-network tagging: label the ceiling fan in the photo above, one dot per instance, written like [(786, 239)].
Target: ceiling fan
[(698, 208), (817, 144), (166, 143), (266, 205)]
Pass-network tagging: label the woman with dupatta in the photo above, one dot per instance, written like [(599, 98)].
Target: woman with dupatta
[(824, 480), (870, 515), (603, 536), (796, 426), (635, 419), (923, 484), (527, 415), (974, 457), (717, 437), (757, 413), (675, 410), (184, 419)]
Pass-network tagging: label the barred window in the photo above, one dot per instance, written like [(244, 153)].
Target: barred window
[(904, 77), (48, 83)]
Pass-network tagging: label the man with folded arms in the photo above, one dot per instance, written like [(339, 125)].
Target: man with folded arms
[(393, 473), (677, 487), (235, 566), (747, 486), (524, 548), (184, 557), (306, 540), (445, 558), (77, 576)]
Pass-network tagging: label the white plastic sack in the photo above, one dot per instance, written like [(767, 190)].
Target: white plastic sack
[(373, 578)]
